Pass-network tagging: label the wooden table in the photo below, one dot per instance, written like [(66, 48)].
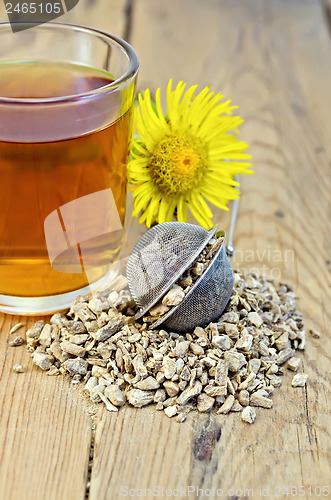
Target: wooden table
[(273, 59)]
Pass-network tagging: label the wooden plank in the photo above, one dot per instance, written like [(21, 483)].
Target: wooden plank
[(45, 426), (45, 431), (272, 58), (132, 443)]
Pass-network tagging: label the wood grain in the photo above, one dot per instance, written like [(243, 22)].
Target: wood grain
[(45, 426), (273, 60), (45, 431), (144, 449)]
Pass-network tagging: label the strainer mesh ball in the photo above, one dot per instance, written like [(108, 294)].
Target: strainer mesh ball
[(160, 257)]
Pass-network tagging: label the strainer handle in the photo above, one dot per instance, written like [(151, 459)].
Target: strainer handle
[(234, 212)]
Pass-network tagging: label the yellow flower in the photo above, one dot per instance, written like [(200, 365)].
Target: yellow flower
[(186, 157)]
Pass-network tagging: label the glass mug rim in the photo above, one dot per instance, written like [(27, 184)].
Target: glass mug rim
[(129, 74)]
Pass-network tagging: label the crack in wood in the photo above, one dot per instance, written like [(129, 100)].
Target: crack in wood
[(308, 425), (299, 450), (311, 431), (90, 463), (206, 441), (128, 20), (326, 4)]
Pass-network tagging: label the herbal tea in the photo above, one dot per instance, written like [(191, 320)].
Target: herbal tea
[(40, 174)]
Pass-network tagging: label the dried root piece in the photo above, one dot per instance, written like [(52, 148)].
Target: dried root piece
[(299, 380), (174, 296), (232, 365), (293, 364), (248, 415), (16, 342), (15, 328), (18, 368), (314, 333)]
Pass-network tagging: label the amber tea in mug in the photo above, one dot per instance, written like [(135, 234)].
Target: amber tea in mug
[(66, 103)]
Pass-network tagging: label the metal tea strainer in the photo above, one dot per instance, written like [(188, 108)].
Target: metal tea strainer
[(161, 256)]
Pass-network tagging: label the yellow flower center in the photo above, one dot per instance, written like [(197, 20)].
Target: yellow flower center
[(178, 163)]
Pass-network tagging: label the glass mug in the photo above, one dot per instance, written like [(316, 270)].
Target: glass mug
[(66, 99)]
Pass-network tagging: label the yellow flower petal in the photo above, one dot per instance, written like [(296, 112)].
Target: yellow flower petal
[(182, 209), (213, 177), (163, 211), (138, 147), (171, 209), (196, 212), (159, 107), (140, 204), (216, 200), (228, 148), (173, 104), (228, 191), (204, 207)]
